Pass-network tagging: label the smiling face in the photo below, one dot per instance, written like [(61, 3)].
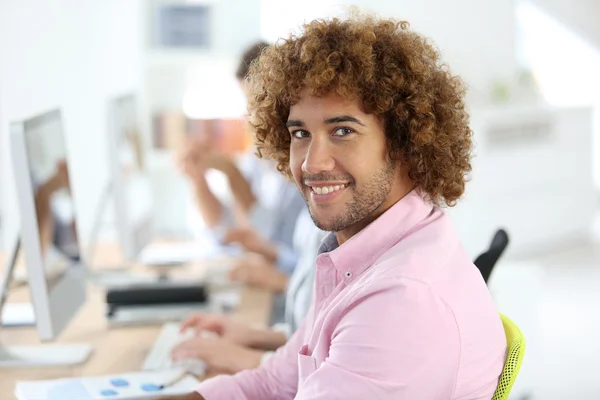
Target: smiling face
[(339, 160)]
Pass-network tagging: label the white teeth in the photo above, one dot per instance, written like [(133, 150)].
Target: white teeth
[(327, 189)]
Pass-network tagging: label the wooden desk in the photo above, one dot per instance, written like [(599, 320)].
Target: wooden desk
[(116, 350)]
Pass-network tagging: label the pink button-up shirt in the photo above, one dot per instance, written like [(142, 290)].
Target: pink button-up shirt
[(399, 312)]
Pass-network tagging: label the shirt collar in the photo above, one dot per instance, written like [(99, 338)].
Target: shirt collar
[(359, 252)]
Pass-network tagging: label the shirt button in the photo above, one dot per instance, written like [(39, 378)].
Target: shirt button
[(348, 274)]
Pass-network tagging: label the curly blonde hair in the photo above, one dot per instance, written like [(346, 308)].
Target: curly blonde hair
[(398, 76)]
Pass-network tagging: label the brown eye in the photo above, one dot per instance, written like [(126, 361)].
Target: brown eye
[(300, 134), (343, 132)]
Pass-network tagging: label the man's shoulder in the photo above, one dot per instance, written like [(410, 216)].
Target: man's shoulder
[(420, 254)]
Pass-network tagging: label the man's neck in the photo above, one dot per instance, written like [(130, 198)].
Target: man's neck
[(345, 235)]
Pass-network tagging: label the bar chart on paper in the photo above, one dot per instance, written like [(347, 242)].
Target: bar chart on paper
[(130, 386)]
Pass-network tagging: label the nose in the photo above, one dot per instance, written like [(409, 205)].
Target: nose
[(319, 156)]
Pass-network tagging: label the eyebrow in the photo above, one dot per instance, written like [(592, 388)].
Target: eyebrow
[(343, 118), (334, 120), (294, 122)]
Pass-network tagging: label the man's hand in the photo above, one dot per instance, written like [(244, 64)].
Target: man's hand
[(62, 174), (190, 396), (196, 156), (223, 326), (216, 160), (254, 270), (252, 242), (220, 355), (60, 179), (190, 159)]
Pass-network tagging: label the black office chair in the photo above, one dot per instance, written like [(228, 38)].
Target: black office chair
[(486, 261)]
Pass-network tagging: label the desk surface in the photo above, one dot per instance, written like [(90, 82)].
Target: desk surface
[(116, 350)]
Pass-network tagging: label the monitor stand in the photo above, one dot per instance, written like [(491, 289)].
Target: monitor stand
[(40, 355), (44, 355), (95, 276), (112, 276)]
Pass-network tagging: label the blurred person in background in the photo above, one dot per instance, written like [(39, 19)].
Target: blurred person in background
[(54, 209), (265, 204)]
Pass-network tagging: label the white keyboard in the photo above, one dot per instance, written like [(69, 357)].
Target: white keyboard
[(44, 355), (165, 254), (159, 357)]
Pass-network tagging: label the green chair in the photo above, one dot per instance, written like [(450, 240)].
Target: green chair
[(515, 342)]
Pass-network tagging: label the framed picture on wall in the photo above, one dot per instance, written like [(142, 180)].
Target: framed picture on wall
[(179, 25)]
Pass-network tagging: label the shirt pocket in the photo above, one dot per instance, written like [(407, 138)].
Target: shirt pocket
[(306, 365)]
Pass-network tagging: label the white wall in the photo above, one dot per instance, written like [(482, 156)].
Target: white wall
[(74, 55), (532, 176), (579, 15), (278, 18), (551, 45)]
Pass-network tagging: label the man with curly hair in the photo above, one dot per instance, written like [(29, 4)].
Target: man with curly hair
[(371, 126)]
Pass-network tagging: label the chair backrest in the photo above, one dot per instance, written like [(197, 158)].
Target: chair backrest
[(515, 342), (486, 261)]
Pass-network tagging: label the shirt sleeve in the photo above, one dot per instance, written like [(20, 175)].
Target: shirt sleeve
[(261, 219), (287, 259), (379, 351), (258, 216), (276, 378)]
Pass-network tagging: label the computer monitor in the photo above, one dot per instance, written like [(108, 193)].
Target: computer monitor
[(49, 235), (130, 183)]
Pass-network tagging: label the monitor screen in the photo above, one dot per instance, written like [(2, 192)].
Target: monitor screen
[(50, 185), (55, 273)]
